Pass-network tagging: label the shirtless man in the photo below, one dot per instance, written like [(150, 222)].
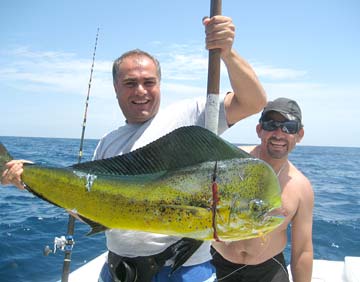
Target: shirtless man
[(261, 259)]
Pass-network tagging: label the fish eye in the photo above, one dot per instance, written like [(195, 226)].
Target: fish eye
[(257, 207), (255, 204)]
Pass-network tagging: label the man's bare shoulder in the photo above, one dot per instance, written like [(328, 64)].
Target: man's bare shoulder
[(299, 180), (298, 175), (248, 148)]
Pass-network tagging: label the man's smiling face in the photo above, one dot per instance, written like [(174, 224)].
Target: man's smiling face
[(278, 143), (137, 89)]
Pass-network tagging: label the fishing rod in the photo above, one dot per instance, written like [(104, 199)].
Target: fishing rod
[(71, 222), (87, 101), (66, 243), (213, 83)]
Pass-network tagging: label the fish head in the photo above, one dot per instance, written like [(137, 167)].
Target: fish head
[(249, 200)]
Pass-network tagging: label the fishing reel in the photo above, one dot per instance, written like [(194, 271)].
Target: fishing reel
[(63, 243)]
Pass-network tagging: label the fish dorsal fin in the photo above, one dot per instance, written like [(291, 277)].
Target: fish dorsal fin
[(182, 147)]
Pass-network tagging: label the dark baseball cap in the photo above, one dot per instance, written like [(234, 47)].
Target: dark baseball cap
[(284, 106)]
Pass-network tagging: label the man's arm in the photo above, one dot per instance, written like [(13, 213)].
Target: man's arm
[(248, 96), (248, 149), (301, 236)]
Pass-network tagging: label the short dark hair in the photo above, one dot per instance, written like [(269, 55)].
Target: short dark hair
[(135, 52)]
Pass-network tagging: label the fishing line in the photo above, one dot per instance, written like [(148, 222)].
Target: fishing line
[(87, 101), (71, 223)]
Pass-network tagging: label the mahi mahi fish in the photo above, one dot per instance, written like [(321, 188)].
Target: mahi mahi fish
[(188, 183)]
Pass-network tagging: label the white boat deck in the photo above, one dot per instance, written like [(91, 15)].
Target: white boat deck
[(323, 270), (336, 271)]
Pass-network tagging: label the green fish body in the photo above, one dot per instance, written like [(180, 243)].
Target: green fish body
[(189, 183)]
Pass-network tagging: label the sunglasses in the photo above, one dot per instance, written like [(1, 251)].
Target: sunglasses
[(289, 127)]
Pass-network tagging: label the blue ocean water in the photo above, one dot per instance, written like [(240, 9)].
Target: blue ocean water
[(28, 223)]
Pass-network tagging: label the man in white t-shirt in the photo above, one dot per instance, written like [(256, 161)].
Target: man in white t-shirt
[(140, 256)]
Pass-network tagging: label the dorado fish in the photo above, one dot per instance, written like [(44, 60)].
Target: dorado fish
[(188, 183)]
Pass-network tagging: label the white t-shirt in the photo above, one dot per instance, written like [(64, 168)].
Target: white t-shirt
[(132, 136)]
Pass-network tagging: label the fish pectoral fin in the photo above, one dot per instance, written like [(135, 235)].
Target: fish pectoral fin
[(183, 250), (95, 227)]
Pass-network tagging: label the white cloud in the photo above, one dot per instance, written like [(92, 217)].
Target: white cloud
[(277, 73), (182, 62), (63, 72)]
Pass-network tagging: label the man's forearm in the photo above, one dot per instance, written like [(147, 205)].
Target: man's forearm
[(301, 269)]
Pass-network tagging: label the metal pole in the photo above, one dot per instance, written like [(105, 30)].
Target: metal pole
[(213, 85)]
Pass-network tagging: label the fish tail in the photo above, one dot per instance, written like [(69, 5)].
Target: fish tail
[(4, 157)]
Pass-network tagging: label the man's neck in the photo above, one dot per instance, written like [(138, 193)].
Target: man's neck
[(278, 165)]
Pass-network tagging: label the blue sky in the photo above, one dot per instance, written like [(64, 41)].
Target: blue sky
[(305, 50)]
